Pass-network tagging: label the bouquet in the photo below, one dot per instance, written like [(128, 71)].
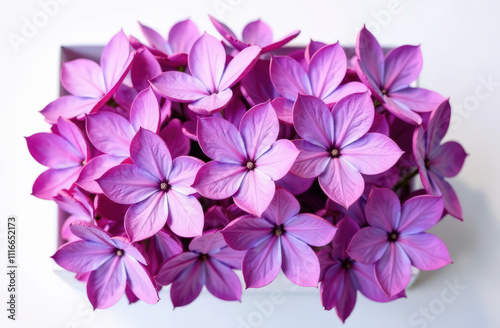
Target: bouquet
[(182, 160)]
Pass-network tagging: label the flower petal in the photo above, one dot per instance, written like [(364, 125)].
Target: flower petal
[(418, 99), (451, 202), (393, 270), (68, 107), (212, 103), (426, 251), (310, 229), (221, 281), (49, 183), (438, 125), (257, 33), (278, 160), (144, 68), (332, 286), (239, 66), (300, 263), (447, 159), (82, 256), (262, 263), (94, 169), (284, 109), (184, 169), (383, 209), (344, 90), (312, 160), (289, 77), (207, 60), (327, 69), (83, 78), (259, 128), (370, 53), (182, 36), (110, 133), (221, 141), (177, 142), (174, 266), (185, 214), (219, 180), (147, 217), (313, 121), (179, 86), (420, 213), (368, 245), (342, 182), (155, 39), (255, 193), (188, 285), (106, 285), (54, 151), (402, 66), (140, 281), (282, 208), (364, 275), (149, 152), (145, 111), (115, 59), (247, 232)]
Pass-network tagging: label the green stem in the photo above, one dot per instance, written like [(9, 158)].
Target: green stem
[(403, 182)]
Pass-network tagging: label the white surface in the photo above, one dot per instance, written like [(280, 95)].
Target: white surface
[(460, 47)]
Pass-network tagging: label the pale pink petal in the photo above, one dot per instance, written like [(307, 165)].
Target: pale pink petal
[(426, 251), (311, 229), (147, 217), (312, 160), (145, 111), (259, 128), (344, 90), (53, 151), (255, 193), (92, 234), (221, 141), (182, 36), (149, 152), (83, 78), (313, 121), (185, 214), (393, 270), (110, 133), (184, 169), (94, 169), (207, 60), (239, 66), (222, 28), (418, 99), (68, 107), (370, 53), (211, 103), (284, 109), (300, 263), (342, 182), (327, 69), (368, 245), (383, 209), (219, 180), (210, 242), (257, 33), (106, 285), (115, 59), (289, 77), (401, 111), (262, 264), (179, 86), (71, 132), (155, 39)]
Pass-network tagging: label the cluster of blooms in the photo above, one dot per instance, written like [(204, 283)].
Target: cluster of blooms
[(184, 159)]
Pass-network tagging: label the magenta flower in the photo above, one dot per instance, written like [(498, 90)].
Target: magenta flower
[(246, 162), (389, 79), (209, 262), (89, 84), (112, 134), (113, 263), (342, 277), (159, 248), (207, 88), (256, 86), (256, 33), (79, 206), (336, 146), (158, 188), (396, 239), (325, 71), (280, 239), (174, 50), (64, 153), (437, 161)]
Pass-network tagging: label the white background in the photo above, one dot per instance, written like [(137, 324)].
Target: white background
[(460, 46)]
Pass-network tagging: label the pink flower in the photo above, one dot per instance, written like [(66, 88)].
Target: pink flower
[(246, 162), (396, 239), (280, 239), (336, 146), (207, 88), (89, 84), (113, 263)]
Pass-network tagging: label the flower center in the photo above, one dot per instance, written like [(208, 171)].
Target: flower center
[(346, 264), (279, 230), (164, 186), (250, 165), (84, 162), (335, 152), (119, 252), (384, 92), (97, 217), (393, 236), (203, 257), (427, 163)]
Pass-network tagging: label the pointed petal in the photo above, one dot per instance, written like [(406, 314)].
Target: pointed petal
[(221, 141), (92, 234), (177, 142), (212, 103), (300, 263), (147, 217), (247, 232), (207, 60), (49, 183), (257, 33), (262, 263), (257, 84), (295, 184), (373, 153), (447, 159), (149, 152), (451, 202), (179, 86), (188, 285), (185, 214), (327, 69), (145, 111), (155, 39), (222, 28), (174, 266), (312, 160), (239, 66), (255, 193), (367, 80), (283, 207), (128, 184), (82, 256), (368, 245), (53, 151), (418, 99), (284, 109), (110, 133), (438, 125), (402, 66), (383, 209), (144, 68), (344, 90), (115, 59), (313, 121), (210, 242), (259, 128), (229, 257), (401, 111), (347, 299), (184, 169), (182, 36), (420, 213), (353, 117), (426, 251), (140, 281), (221, 281), (370, 53), (83, 78), (219, 180), (68, 107), (310, 229), (94, 169), (393, 270), (342, 182), (289, 77), (347, 228), (106, 285), (281, 42), (364, 275)]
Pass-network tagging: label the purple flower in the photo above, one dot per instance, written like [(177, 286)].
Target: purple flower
[(325, 71), (208, 88), (113, 263), (79, 206), (336, 146), (158, 188), (280, 239), (342, 277), (64, 153), (256, 33), (256, 86), (112, 134), (89, 84), (389, 78), (159, 248), (246, 162), (438, 161), (174, 50), (396, 239), (209, 262)]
